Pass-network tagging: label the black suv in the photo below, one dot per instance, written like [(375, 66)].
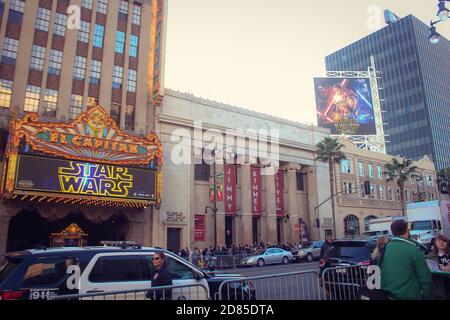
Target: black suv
[(44, 273)]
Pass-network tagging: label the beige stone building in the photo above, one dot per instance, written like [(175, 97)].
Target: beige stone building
[(186, 187), (58, 59), (353, 210)]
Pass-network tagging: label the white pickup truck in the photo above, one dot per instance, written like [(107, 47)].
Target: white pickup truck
[(428, 219)]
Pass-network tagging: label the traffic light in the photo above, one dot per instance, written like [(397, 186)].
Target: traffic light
[(366, 188), (317, 223)]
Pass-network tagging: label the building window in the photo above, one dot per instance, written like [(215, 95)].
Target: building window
[(132, 80), (92, 102), (398, 194), (17, 5), (87, 4), (345, 166), (370, 168), (202, 171), (115, 112), (129, 118), (390, 196), (79, 69), (37, 58), (60, 24), (123, 10), (102, 6), (43, 19), (83, 33), (96, 70), (381, 192), (372, 191), (5, 93), (54, 65), (351, 225), (380, 172), (117, 77), (136, 15), (366, 222), (32, 99), (348, 187), (50, 101), (361, 168), (429, 180), (134, 45), (99, 33), (120, 42), (10, 48), (406, 195), (300, 181), (76, 106)]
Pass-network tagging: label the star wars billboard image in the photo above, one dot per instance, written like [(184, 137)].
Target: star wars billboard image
[(345, 105)]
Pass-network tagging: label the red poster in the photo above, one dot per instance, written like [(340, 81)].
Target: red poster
[(279, 193), (256, 183), (199, 229), (229, 183)]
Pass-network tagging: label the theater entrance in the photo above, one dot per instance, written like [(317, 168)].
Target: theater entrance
[(28, 229)]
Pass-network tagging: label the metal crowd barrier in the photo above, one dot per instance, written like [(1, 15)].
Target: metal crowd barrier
[(227, 261), (343, 283), (174, 292), (287, 286)]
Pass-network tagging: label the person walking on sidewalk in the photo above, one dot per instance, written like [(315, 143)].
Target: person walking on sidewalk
[(404, 272)]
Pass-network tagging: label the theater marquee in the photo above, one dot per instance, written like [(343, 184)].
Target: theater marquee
[(89, 161)]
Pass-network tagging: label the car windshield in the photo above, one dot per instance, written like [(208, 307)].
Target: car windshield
[(421, 225), (349, 251), (7, 267), (258, 253)]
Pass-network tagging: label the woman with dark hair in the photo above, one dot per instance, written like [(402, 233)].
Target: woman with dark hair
[(441, 253), (160, 278)]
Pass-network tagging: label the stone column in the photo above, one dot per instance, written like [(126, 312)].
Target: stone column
[(220, 223), (271, 214), (4, 227), (147, 216), (312, 203), (246, 205), (294, 214)]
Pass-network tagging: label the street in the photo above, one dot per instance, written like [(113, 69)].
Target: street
[(302, 286)]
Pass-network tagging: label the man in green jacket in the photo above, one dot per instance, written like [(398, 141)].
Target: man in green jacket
[(404, 272)]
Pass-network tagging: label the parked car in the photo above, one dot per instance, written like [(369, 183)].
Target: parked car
[(309, 251), (44, 273), (268, 256)]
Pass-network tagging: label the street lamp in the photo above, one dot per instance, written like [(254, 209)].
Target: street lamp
[(443, 11), (434, 36)]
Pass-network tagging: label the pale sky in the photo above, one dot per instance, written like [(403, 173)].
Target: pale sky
[(263, 54)]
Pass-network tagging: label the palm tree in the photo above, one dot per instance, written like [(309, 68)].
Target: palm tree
[(400, 171), (443, 179), (329, 150)]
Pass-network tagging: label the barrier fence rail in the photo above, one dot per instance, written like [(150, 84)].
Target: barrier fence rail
[(174, 292), (344, 282), (288, 286)]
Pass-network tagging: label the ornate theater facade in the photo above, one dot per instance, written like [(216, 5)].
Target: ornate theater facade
[(86, 172)]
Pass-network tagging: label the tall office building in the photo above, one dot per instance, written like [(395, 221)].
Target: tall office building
[(415, 82), (113, 58)]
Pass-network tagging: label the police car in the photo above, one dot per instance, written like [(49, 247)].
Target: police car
[(47, 272)]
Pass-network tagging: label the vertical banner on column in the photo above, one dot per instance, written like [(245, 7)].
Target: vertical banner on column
[(199, 228), (256, 183), (279, 193), (229, 183)]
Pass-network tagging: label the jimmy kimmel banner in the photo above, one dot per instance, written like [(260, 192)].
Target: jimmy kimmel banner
[(256, 182), (279, 193), (199, 228), (229, 181)]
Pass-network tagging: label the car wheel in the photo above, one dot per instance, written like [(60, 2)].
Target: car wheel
[(309, 257), (261, 263), (285, 260)]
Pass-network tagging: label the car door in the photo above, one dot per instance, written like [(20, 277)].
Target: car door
[(316, 249), (108, 272), (269, 256), (183, 274)]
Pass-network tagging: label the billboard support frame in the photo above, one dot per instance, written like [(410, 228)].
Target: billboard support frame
[(375, 142)]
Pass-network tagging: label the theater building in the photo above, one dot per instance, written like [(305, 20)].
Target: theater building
[(252, 207), (354, 209), (76, 117)]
